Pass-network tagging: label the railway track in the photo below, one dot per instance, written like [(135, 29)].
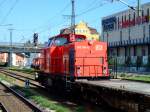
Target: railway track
[(121, 94), (21, 78), (59, 97), (3, 108), (11, 101), (70, 96), (24, 75)]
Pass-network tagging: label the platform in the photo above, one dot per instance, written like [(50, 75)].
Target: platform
[(131, 86)]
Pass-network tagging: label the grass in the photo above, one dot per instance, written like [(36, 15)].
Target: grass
[(143, 78), (6, 78), (41, 100), (24, 70), (139, 78)]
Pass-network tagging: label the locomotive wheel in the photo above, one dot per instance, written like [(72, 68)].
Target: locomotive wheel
[(49, 82)]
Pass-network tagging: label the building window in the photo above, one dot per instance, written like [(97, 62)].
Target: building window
[(148, 14), (120, 36), (134, 17), (129, 17), (129, 32), (103, 36), (149, 31), (134, 50), (143, 31), (147, 11), (118, 23), (142, 13), (107, 37), (143, 52), (115, 25), (125, 18)]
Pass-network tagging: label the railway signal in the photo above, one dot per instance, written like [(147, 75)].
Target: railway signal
[(35, 39)]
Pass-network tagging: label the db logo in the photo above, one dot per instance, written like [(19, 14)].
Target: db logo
[(98, 47)]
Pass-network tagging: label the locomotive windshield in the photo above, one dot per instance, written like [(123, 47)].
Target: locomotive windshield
[(60, 41), (79, 39), (57, 41)]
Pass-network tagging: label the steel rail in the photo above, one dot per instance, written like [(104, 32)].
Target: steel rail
[(16, 77), (17, 74), (26, 101), (3, 108)]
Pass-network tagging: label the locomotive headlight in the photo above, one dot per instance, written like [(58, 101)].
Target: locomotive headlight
[(104, 70), (91, 42), (78, 70)]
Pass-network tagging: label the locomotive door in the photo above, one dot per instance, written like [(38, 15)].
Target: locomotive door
[(71, 64)]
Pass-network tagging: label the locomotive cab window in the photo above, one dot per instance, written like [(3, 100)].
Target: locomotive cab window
[(60, 41), (79, 39)]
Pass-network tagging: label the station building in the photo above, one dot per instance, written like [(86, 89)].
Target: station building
[(127, 33)]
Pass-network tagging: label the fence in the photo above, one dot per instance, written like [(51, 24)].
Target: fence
[(130, 64)]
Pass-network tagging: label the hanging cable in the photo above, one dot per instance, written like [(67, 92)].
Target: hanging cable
[(9, 12), (91, 9), (59, 13)]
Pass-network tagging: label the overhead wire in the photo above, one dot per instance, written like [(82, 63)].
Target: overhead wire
[(84, 12), (9, 12), (66, 6), (91, 4), (90, 9), (46, 27)]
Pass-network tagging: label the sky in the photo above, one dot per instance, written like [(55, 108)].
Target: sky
[(47, 17)]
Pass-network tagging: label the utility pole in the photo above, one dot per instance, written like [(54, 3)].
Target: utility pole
[(73, 17), (10, 47)]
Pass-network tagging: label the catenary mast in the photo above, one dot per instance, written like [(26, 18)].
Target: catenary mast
[(73, 17)]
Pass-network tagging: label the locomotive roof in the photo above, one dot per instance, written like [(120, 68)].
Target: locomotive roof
[(68, 36)]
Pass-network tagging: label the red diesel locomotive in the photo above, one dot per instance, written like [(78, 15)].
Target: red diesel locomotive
[(71, 57)]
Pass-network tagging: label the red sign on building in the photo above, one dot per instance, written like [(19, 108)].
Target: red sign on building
[(133, 22)]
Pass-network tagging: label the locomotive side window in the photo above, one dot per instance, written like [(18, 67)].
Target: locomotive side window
[(60, 41)]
